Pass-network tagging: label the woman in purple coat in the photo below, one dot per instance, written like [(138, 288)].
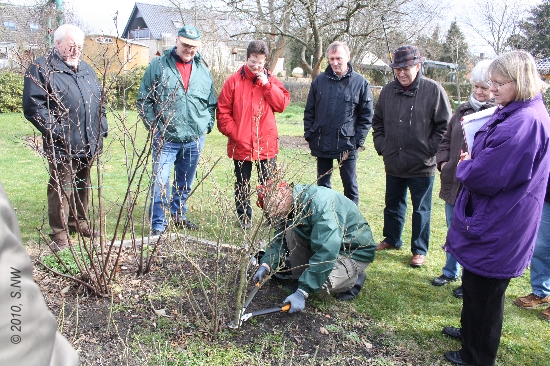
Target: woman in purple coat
[(498, 211)]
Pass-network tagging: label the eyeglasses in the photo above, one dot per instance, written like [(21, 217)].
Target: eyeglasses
[(498, 85), (185, 45), (254, 62), (406, 70), (74, 47)]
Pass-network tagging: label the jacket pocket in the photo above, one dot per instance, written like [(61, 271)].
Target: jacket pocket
[(314, 137), (351, 101), (346, 138)]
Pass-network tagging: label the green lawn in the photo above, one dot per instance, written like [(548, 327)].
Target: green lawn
[(406, 310)]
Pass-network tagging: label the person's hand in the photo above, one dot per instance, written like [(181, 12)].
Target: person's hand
[(464, 156), (297, 301), (262, 78), (260, 274)]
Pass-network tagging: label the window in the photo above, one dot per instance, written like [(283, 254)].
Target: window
[(140, 33), (10, 25), (34, 27), (104, 40)]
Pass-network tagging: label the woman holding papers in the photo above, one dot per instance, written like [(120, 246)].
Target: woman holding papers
[(450, 148), (498, 211)]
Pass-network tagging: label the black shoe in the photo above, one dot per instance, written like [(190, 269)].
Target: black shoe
[(291, 285), (283, 276), (454, 357), (185, 224), (458, 292), (452, 332), (354, 291), (156, 232), (246, 225), (442, 280)]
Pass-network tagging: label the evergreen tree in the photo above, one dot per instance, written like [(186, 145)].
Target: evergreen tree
[(455, 48), (535, 32)]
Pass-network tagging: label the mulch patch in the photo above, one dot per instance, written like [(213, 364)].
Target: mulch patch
[(102, 329)]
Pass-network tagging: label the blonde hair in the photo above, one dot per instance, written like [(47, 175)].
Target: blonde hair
[(520, 67), (333, 47)]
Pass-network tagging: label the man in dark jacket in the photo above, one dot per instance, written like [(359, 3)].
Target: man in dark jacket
[(337, 118), (409, 121), (62, 98)]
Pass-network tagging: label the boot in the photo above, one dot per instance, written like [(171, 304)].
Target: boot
[(354, 291)]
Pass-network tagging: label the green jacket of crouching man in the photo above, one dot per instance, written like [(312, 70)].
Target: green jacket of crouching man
[(28, 330), (326, 238)]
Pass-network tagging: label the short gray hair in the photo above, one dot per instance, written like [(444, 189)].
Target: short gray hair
[(480, 73), (62, 31), (334, 46)]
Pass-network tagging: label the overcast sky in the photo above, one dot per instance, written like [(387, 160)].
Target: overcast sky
[(97, 15)]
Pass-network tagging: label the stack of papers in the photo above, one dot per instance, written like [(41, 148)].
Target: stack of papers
[(472, 123)]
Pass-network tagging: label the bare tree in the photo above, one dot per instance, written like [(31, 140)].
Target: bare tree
[(495, 21), (315, 23)]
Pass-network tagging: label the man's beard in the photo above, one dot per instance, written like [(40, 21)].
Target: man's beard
[(72, 63)]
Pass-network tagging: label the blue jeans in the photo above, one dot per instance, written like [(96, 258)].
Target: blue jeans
[(396, 208), (184, 156), (452, 268), (540, 263), (348, 174)]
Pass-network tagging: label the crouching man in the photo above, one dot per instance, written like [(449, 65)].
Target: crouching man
[(328, 241)]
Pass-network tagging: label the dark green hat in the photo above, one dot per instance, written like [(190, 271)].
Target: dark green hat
[(190, 35)]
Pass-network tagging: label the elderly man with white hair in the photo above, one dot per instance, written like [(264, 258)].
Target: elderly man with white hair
[(63, 99)]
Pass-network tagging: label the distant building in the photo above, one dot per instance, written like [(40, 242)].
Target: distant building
[(155, 26), (23, 33), (543, 67), (113, 55)]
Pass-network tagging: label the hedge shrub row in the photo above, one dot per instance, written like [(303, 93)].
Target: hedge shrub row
[(11, 92)]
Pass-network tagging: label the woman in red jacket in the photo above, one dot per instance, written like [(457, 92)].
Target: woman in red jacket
[(245, 114)]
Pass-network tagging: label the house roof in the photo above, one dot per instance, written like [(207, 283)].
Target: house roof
[(543, 65), (159, 19)]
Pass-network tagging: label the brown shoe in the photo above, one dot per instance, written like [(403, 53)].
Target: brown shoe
[(417, 260), (532, 301), (385, 246), (58, 245), (86, 232), (546, 314)]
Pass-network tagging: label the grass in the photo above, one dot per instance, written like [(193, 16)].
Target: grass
[(405, 310)]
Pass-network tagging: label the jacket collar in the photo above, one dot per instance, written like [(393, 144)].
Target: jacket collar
[(505, 112), (412, 88), (57, 62), (247, 74), (171, 54), (331, 75)]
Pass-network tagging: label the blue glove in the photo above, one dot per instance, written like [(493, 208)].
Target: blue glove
[(260, 274), (297, 301)]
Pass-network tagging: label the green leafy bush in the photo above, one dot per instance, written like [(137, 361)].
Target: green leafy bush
[(11, 92), (68, 259), (123, 88)]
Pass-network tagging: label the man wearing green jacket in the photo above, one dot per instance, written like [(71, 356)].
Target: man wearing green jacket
[(177, 102), (328, 241)]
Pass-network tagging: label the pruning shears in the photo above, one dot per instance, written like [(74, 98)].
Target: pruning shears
[(245, 316)]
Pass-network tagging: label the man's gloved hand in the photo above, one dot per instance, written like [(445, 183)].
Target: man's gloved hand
[(297, 301), (260, 274)]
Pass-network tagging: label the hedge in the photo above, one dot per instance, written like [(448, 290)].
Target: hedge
[(11, 92)]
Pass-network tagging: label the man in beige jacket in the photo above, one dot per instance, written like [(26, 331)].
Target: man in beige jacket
[(28, 330)]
